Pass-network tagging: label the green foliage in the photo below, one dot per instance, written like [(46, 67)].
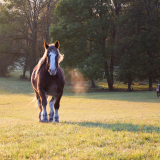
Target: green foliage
[(139, 26), (12, 38), (81, 29), (98, 35), (25, 27)]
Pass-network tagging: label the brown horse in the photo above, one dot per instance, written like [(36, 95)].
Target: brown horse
[(48, 79)]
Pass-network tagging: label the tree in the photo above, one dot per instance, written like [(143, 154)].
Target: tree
[(31, 20), (139, 27), (85, 29), (8, 49)]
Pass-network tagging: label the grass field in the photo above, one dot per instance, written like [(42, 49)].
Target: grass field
[(96, 125)]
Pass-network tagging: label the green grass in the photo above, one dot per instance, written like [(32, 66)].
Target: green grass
[(103, 125)]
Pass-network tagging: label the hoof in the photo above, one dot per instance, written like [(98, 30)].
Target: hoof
[(45, 118), (44, 121), (40, 117), (51, 117), (56, 119)]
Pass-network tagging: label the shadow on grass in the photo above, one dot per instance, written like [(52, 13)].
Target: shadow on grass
[(120, 127), (13, 85), (17, 86), (140, 96)]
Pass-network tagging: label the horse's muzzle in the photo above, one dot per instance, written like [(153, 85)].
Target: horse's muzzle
[(52, 72)]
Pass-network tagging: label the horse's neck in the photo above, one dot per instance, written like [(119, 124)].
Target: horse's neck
[(44, 66)]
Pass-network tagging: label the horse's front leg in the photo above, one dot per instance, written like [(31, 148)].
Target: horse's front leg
[(51, 104), (56, 116), (44, 104), (56, 107)]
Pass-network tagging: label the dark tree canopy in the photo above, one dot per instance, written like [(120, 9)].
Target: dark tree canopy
[(103, 39)]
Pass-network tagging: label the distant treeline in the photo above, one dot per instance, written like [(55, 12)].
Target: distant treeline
[(111, 39)]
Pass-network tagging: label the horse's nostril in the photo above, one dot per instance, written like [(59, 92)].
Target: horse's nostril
[(52, 72)]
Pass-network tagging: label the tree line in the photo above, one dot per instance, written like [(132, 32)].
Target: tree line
[(104, 39), (24, 26)]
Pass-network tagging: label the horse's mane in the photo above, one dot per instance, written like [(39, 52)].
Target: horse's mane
[(43, 59)]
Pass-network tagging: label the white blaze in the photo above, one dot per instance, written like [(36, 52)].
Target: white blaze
[(53, 69)]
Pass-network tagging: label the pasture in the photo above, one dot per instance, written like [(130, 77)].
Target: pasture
[(96, 125)]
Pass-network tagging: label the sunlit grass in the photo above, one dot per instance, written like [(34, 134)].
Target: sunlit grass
[(103, 125)]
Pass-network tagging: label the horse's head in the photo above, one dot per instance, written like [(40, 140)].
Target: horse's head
[(52, 57)]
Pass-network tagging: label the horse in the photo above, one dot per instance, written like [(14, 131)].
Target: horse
[(48, 80)]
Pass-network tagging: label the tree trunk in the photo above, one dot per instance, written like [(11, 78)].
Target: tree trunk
[(33, 57), (33, 54), (24, 70), (111, 68), (92, 84), (25, 66), (129, 85), (112, 52), (48, 21), (109, 77), (108, 73), (150, 83), (110, 84)]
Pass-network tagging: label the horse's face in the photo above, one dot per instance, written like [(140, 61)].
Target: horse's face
[(52, 58), (52, 61)]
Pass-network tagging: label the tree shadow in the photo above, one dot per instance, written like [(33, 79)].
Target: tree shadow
[(119, 126), (136, 96)]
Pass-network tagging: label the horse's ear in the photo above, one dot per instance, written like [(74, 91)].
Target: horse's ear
[(46, 45), (57, 44)]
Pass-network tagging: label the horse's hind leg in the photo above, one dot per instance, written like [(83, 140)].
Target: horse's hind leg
[(40, 108), (51, 104), (39, 105)]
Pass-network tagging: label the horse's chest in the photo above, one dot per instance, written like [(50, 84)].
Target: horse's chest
[(52, 90)]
